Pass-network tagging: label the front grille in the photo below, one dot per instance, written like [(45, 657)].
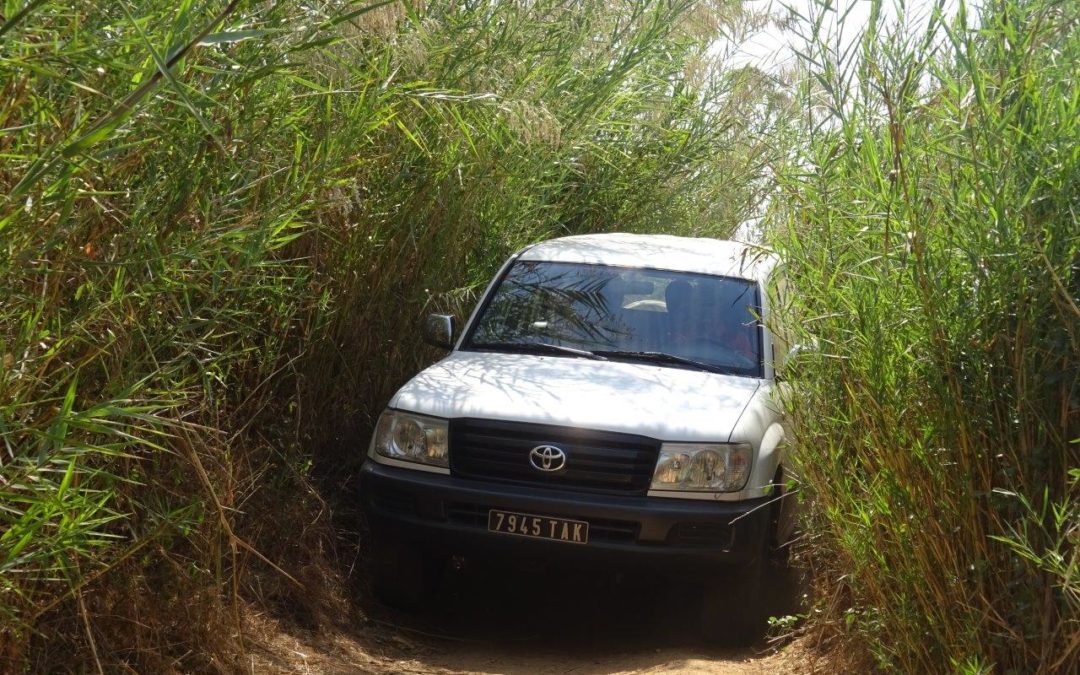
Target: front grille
[(476, 515), (596, 461)]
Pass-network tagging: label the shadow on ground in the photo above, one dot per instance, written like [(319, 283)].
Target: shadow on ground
[(520, 619)]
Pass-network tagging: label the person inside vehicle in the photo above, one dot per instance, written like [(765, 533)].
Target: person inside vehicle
[(681, 325), (729, 323)]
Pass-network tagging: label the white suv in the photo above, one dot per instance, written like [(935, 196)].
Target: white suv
[(609, 400)]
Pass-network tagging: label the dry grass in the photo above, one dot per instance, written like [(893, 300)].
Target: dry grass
[(221, 222)]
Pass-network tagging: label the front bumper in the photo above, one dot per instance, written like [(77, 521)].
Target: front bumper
[(449, 514)]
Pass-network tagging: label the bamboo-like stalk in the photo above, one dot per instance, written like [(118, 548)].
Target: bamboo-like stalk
[(930, 231), (221, 224)]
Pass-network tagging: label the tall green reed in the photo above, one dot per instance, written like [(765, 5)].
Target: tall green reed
[(221, 222), (929, 226)]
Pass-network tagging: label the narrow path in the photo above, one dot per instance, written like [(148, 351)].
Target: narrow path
[(530, 621)]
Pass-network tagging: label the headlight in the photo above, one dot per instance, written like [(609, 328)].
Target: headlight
[(412, 438), (697, 467)]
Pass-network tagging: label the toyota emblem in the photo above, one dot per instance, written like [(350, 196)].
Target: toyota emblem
[(547, 458)]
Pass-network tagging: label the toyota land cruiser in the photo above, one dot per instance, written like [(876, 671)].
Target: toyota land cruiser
[(608, 400)]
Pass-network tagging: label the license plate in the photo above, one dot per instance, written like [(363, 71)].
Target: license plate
[(538, 527)]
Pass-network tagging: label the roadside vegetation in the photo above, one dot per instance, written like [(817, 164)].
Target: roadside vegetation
[(221, 221), (929, 221)]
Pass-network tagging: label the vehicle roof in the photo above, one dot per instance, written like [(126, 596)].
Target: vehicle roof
[(658, 251)]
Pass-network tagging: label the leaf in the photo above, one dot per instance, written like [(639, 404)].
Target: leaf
[(163, 69), (10, 23), (229, 37)]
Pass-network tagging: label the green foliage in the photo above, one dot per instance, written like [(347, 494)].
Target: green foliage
[(221, 223), (929, 225)]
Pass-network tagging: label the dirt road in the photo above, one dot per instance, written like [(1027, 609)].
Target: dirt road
[(534, 621)]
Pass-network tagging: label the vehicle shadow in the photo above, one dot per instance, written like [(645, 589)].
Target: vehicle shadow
[(538, 619)]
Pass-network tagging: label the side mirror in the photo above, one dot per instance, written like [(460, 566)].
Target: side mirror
[(439, 330)]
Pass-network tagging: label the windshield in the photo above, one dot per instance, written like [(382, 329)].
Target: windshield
[(676, 319)]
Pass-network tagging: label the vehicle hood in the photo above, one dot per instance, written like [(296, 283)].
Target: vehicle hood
[(669, 404)]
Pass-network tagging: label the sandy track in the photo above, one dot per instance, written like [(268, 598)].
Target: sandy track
[(523, 621)]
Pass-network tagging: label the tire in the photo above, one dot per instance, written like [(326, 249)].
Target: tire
[(733, 607), (736, 606), (403, 576)]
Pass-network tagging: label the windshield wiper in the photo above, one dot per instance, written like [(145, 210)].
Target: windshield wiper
[(539, 347), (664, 357)]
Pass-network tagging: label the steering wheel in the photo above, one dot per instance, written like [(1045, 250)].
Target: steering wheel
[(647, 304)]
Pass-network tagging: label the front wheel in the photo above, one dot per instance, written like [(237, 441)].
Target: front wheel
[(733, 609), (736, 606)]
